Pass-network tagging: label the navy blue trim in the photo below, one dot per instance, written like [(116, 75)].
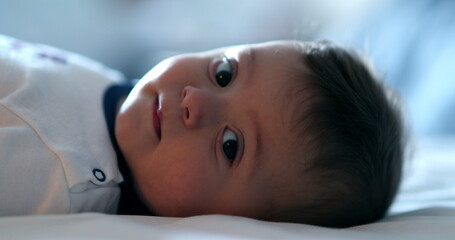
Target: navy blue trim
[(130, 203)]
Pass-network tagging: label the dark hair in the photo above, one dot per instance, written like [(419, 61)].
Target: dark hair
[(352, 136)]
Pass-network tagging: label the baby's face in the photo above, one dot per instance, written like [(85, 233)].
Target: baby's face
[(208, 132)]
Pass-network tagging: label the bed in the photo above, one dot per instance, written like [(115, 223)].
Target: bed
[(424, 209)]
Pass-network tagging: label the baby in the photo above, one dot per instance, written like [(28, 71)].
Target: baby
[(281, 131)]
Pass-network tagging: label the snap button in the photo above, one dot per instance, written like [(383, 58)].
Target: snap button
[(99, 175)]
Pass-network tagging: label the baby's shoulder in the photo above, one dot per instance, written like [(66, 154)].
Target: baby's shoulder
[(22, 62)]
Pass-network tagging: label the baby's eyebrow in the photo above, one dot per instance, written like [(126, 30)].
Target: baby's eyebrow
[(251, 62), (246, 55)]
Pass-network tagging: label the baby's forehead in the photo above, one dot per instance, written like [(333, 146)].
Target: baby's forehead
[(274, 46), (290, 44)]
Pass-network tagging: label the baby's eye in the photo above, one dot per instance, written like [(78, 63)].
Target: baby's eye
[(230, 145), (224, 73)]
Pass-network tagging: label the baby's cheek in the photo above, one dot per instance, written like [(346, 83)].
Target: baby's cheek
[(189, 184)]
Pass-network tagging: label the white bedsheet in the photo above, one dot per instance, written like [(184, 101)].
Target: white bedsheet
[(425, 209)]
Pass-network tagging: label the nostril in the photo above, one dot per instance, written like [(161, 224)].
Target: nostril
[(183, 93), (187, 113)]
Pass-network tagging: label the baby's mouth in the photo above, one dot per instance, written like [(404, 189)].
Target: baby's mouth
[(157, 116)]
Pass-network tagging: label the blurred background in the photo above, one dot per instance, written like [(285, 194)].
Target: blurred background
[(410, 42)]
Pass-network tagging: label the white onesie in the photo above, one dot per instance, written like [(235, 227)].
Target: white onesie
[(55, 152)]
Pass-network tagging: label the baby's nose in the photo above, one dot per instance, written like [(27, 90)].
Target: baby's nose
[(197, 107)]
